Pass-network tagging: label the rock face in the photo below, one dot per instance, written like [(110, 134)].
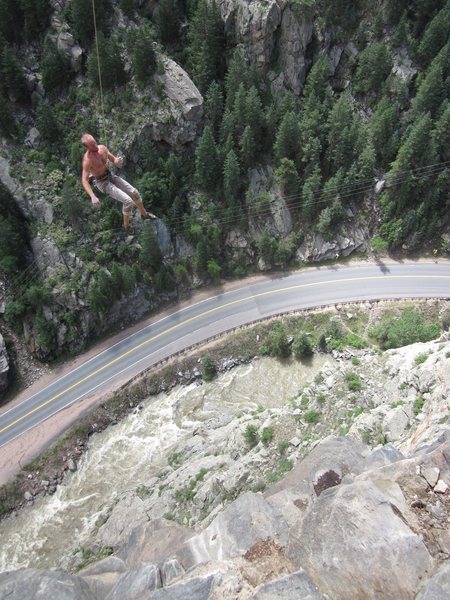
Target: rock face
[(254, 24), (29, 583), (308, 548), (346, 522), (4, 366), (175, 121), (296, 34)]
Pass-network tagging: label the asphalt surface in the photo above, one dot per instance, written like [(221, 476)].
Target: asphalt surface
[(220, 313)]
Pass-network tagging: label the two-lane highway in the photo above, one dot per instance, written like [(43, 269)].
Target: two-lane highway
[(217, 314)]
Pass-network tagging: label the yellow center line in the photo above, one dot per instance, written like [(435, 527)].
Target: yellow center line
[(207, 312)]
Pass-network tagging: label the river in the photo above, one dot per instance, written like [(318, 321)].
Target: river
[(124, 456)]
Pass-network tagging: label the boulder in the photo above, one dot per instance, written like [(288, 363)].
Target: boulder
[(136, 584), (33, 138), (297, 585), (438, 587), (234, 531), (153, 542), (47, 255), (42, 585), (197, 588), (102, 576), (367, 522)]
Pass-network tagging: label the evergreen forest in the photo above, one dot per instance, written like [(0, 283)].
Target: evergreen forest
[(362, 141)]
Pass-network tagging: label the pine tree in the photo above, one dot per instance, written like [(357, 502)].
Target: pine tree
[(47, 123), (82, 18), (231, 178), (11, 20), (248, 147), (143, 56), (206, 45), (239, 111), (287, 142), (441, 133), (150, 256), (254, 115), (317, 91), (310, 194), (227, 126), (12, 78), (383, 128), (417, 150), (55, 67), (36, 17), (214, 106), (374, 65), (313, 134), (431, 91), (207, 168), (234, 77), (112, 68), (168, 20), (342, 133), (435, 36)]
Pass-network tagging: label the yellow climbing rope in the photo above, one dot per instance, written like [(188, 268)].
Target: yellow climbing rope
[(105, 139)]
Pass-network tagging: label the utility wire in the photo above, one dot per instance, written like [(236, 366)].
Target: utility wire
[(345, 191)]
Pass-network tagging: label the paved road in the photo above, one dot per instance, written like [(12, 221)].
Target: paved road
[(222, 312)]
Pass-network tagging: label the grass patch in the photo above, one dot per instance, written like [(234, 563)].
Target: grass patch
[(421, 358)]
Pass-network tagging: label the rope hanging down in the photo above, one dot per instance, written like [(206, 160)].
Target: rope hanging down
[(105, 140)]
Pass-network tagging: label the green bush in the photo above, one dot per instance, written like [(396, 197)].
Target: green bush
[(302, 346), (312, 417), (251, 436), (267, 435), (418, 404), (409, 328), (279, 344), (209, 368), (353, 381)]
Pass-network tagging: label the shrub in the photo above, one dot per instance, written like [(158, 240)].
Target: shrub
[(302, 346), (279, 344), (283, 445), (418, 404), (353, 381), (209, 368), (267, 435), (409, 328), (251, 436), (312, 417)]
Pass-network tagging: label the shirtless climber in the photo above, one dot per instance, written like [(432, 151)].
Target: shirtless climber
[(95, 164)]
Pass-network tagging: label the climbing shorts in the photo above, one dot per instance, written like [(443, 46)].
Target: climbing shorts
[(117, 188)]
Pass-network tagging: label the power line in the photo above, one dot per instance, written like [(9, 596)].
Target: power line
[(345, 191)]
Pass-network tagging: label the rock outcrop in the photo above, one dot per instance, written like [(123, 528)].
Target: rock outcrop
[(4, 366)]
